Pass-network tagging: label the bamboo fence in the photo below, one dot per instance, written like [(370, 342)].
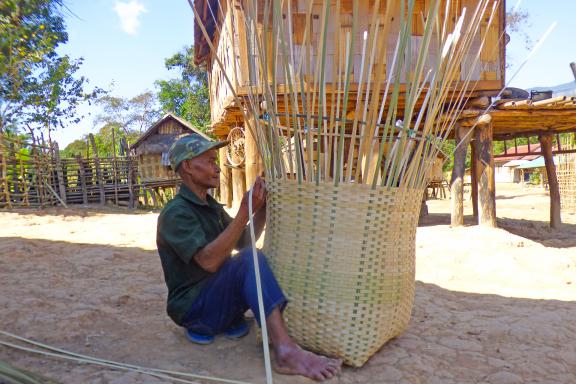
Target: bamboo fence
[(34, 175), (566, 174), (347, 157)]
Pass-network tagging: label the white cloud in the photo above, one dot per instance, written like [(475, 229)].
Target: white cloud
[(129, 13)]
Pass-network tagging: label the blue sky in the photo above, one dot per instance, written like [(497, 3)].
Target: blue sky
[(125, 42), (550, 64)]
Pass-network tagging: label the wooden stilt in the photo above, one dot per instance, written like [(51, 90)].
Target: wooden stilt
[(474, 179), (546, 145), (132, 201), (253, 162), (238, 186), (457, 181), (225, 180), (486, 176)]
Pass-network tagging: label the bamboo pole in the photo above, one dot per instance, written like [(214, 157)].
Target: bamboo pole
[(98, 170)]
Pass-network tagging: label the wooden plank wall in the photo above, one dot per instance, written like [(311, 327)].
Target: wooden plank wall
[(233, 47)]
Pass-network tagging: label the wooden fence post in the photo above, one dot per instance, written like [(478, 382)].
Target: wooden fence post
[(98, 170), (59, 172)]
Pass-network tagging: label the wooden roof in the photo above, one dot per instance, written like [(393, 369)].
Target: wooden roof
[(205, 9), (154, 128), (522, 118)]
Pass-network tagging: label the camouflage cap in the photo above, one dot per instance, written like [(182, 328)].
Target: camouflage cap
[(189, 146)]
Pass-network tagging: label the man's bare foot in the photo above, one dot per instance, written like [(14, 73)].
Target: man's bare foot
[(293, 360)]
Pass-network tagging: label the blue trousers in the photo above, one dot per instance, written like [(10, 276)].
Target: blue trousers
[(230, 292)]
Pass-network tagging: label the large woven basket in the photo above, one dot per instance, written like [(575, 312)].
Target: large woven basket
[(345, 258)]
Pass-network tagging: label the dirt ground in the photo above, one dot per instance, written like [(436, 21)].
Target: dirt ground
[(492, 305)]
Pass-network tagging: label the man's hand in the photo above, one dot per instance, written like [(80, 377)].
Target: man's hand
[(258, 196)]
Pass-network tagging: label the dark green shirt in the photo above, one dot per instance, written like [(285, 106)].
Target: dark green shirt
[(185, 225)]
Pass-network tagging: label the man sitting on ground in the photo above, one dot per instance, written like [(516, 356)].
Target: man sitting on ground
[(208, 289)]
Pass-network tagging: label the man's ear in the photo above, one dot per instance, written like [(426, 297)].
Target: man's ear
[(184, 167)]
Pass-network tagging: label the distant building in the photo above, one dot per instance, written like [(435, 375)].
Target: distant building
[(158, 182), (506, 168), (151, 149)]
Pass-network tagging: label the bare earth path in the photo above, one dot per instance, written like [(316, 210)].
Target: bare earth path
[(492, 305)]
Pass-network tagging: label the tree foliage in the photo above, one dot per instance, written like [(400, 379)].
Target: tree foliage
[(186, 96), (130, 115), (38, 87), (120, 119)]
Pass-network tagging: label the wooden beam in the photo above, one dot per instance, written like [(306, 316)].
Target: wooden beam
[(482, 102), (486, 177), (474, 121), (546, 145), (462, 136)]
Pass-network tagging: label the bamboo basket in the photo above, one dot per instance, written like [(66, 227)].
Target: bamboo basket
[(345, 258), (347, 133)]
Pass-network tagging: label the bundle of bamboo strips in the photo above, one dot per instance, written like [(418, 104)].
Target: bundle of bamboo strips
[(347, 147)]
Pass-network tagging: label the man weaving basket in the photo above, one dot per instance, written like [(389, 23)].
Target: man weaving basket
[(208, 289)]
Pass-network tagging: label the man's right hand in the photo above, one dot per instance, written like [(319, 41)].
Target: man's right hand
[(258, 196)]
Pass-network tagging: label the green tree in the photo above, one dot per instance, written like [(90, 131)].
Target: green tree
[(78, 147), (133, 115), (187, 96), (37, 85)]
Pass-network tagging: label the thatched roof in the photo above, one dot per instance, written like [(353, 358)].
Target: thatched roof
[(162, 143), (205, 9)]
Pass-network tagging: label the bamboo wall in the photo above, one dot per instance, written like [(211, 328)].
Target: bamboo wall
[(566, 174), (151, 168)]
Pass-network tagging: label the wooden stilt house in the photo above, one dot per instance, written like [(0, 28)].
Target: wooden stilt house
[(157, 180), (223, 26)]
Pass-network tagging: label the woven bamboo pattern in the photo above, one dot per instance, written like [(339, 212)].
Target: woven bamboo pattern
[(566, 173), (345, 258)]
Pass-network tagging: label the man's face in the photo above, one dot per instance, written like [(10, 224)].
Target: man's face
[(203, 169)]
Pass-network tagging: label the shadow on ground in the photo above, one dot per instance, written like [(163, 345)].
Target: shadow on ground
[(109, 302), (540, 232), (78, 210)]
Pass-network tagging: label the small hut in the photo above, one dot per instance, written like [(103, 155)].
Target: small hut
[(151, 151)]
